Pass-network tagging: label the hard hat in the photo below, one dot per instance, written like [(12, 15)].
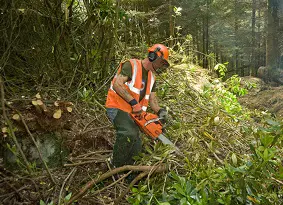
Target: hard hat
[(158, 50)]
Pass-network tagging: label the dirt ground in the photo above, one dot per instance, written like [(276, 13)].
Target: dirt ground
[(265, 97)]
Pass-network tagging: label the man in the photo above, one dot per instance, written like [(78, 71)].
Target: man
[(131, 90)]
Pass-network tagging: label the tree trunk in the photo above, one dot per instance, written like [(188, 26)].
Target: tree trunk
[(205, 37), (253, 67), (272, 47), (171, 25), (236, 28)]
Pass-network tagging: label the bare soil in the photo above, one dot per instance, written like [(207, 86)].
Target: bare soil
[(265, 97)]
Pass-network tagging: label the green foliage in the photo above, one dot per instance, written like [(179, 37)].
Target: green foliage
[(43, 203), (223, 98), (251, 170), (221, 69), (139, 195), (234, 86), (247, 179), (66, 199)]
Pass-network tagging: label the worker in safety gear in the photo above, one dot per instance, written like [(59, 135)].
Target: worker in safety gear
[(131, 90)]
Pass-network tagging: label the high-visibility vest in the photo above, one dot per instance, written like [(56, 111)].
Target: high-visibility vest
[(133, 86)]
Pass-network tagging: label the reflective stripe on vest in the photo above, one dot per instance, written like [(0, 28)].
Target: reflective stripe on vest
[(133, 87), (134, 76)]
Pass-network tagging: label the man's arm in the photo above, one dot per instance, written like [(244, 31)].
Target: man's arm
[(119, 87), (153, 102)]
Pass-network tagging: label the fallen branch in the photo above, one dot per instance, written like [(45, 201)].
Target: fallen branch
[(139, 177), (112, 172), (115, 182)]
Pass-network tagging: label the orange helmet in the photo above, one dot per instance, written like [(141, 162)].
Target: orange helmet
[(158, 50)]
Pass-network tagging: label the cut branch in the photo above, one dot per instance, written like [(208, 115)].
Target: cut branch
[(112, 172)]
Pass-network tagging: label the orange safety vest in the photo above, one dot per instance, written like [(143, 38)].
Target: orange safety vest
[(133, 87)]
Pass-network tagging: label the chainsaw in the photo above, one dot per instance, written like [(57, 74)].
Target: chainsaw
[(151, 125)]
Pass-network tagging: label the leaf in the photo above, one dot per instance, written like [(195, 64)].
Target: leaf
[(56, 104), (57, 114), (164, 203), (208, 135), (234, 159), (252, 199), (179, 189), (16, 117), (273, 123), (266, 140), (38, 96), (265, 154), (42, 202), (67, 198), (134, 190), (183, 201), (143, 188), (69, 109)]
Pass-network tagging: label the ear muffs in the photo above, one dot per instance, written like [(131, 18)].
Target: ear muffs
[(152, 56)]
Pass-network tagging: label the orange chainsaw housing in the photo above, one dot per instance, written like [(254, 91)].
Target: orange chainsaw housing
[(149, 123)]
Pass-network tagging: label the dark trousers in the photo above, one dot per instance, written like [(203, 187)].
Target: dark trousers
[(128, 142)]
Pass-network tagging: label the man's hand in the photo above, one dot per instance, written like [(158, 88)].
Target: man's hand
[(163, 115), (136, 107)]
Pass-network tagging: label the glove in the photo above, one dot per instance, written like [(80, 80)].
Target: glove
[(163, 115), (136, 107)]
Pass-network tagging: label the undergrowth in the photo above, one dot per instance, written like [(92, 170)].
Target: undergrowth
[(231, 154)]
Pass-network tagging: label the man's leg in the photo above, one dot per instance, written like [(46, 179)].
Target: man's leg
[(128, 143)]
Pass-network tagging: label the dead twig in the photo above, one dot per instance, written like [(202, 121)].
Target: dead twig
[(93, 129), (16, 191), (83, 190), (278, 181), (82, 163), (93, 153), (62, 187)]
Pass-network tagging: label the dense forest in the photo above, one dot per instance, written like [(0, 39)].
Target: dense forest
[(58, 58)]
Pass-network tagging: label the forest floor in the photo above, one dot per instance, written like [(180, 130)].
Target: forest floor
[(89, 136), (265, 97)]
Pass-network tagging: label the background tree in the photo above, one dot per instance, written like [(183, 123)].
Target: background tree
[(78, 44), (272, 49)]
